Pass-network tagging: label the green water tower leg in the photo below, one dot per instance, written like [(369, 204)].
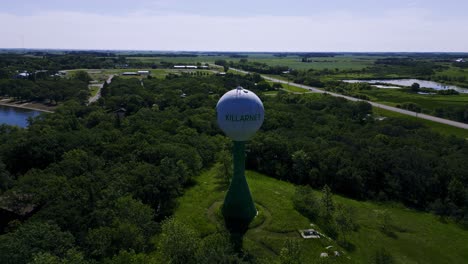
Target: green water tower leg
[(238, 207)]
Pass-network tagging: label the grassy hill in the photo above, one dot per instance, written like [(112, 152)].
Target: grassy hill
[(419, 237)]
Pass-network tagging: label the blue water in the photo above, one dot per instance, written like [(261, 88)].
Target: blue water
[(409, 82), (15, 116)]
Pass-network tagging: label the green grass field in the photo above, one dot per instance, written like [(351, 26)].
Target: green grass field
[(290, 88), (194, 60), (317, 63), (93, 89), (421, 238), (397, 96)]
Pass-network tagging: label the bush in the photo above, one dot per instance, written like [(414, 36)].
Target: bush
[(382, 256), (306, 203), (178, 242)]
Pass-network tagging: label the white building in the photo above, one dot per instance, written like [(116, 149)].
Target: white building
[(129, 73), (185, 67)]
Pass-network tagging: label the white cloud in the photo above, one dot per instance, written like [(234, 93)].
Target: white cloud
[(397, 30)]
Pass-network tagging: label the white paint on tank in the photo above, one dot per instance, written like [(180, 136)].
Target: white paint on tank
[(240, 114)]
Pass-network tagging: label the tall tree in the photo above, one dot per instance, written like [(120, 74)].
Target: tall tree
[(290, 252), (328, 206), (344, 219), (178, 242)]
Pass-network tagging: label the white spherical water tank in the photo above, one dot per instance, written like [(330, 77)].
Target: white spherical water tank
[(240, 114)]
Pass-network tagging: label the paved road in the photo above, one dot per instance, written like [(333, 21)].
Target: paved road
[(98, 94), (386, 107)]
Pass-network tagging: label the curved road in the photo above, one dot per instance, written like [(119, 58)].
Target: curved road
[(386, 107)]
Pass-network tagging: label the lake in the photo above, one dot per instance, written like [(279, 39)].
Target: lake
[(409, 82), (16, 116)]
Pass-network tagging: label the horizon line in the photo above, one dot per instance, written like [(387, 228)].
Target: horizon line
[(223, 51)]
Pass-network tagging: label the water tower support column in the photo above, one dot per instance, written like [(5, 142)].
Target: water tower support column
[(238, 204)]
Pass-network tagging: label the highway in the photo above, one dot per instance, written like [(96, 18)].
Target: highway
[(386, 107)]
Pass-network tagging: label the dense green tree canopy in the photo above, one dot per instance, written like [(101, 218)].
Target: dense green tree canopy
[(101, 183)]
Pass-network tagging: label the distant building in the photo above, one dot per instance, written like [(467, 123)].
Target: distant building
[(460, 60), (22, 75), (185, 67), (144, 72), (129, 74)]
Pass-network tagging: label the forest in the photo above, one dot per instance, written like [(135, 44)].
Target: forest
[(97, 183)]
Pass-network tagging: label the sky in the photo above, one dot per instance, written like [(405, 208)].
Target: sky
[(243, 25)]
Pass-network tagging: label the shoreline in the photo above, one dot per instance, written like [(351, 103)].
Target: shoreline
[(23, 106)]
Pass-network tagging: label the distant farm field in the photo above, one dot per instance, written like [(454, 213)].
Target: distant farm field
[(318, 63), (189, 59)]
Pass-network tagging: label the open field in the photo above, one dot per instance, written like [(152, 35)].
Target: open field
[(93, 89), (456, 74), (194, 60), (397, 96), (290, 88), (318, 63), (420, 237)]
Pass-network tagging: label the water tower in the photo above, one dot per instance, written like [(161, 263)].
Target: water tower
[(240, 114)]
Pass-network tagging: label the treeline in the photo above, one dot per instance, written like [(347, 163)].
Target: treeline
[(10, 64), (98, 182), (451, 79), (403, 67), (336, 142), (170, 55), (457, 113), (257, 67), (47, 91), (349, 89)]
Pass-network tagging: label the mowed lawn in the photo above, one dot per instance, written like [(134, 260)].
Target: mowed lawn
[(420, 237)]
